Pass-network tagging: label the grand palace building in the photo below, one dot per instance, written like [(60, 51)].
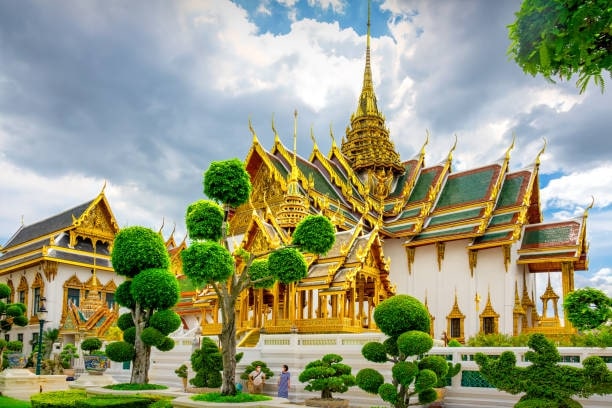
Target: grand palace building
[(469, 244)]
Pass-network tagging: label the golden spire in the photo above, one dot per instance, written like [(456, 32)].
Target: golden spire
[(295, 206), (367, 145)]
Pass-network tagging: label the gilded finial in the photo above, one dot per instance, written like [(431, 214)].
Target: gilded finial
[(450, 153), (511, 146), (103, 187), (312, 137), (252, 130), (331, 134), (541, 152), (276, 137), (162, 226)]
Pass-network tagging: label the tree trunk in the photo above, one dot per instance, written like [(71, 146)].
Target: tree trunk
[(228, 345), (142, 355)]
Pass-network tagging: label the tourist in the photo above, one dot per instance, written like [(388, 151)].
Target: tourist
[(258, 378), (284, 382)]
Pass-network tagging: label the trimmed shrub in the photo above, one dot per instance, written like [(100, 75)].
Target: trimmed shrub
[(166, 321), (287, 265), (206, 262), (155, 289), (227, 182), (327, 375), (136, 249), (314, 234), (204, 220), (120, 351)]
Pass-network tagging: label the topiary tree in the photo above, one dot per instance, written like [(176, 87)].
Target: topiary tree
[(406, 321), (10, 314), (149, 292), (545, 382), (587, 308), (91, 345), (207, 363), (207, 261), (327, 375)]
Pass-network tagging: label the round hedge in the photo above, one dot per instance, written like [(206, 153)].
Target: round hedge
[(166, 345), (14, 310), (375, 352), (259, 270), (287, 265), (155, 289), (314, 234), (437, 364), (91, 344), (401, 313), (129, 335), (414, 343), (125, 321), (428, 396), (369, 380), (426, 379), (120, 351), (206, 262), (587, 308), (391, 346), (166, 321), (21, 320), (136, 249), (123, 295), (404, 372), (2, 307), (388, 393), (227, 182), (204, 220), (5, 291), (152, 337)]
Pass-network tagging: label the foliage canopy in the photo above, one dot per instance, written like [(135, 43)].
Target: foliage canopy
[(560, 38), (587, 308), (327, 375)]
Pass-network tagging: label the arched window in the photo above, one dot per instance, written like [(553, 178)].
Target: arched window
[(37, 293), (22, 291)]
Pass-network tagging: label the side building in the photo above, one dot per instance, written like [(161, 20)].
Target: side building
[(63, 263)]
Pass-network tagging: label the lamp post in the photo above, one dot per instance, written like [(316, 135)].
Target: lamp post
[(42, 316)]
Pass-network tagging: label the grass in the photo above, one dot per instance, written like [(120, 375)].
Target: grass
[(135, 387), (6, 402), (239, 397)]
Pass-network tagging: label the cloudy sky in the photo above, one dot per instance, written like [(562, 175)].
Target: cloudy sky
[(143, 94)]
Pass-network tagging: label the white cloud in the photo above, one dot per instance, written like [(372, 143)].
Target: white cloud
[(579, 188)]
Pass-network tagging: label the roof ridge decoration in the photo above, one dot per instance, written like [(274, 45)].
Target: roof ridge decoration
[(96, 223), (367, 146)]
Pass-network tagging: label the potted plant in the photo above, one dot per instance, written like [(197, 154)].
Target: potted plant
[(67, 355), (14, 354), (327, 375), (95, 361), (181, 372)]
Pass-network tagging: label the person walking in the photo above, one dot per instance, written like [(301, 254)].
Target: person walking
[(258, 378), (284, 382)]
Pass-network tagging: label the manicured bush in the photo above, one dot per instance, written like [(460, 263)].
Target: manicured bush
[(587, 308), (125, 321), (155, 288), (207, 261), (227, 182), (314, 234), (327, 375), (120, 351), (406, 321), (287, 265), (204, 220), (545, 382), (166, 321), (207, 364), (91, 344), (136, 249), (152, 337)]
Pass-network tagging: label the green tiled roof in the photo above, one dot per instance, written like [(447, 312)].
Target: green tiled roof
[(399, 228), (559, 234), (321, 184), (493, 236), (433, 234), (279, 166), (410, 213), (454, 217), (401, 180), (510, 191), (466, 188), (501, 219), (389, 206), (421, 188)]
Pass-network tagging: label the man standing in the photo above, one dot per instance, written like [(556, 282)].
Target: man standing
[(258, 378)]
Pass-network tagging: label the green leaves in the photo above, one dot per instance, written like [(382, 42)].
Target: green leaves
[(587, 308), (204, 220), (207, 262), (227, 182), (560, 38), (287, 265), (136, 249), (155, 289), (314, 234), (401, 313)]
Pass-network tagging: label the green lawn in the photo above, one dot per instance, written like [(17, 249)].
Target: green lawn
[(6, 402)]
